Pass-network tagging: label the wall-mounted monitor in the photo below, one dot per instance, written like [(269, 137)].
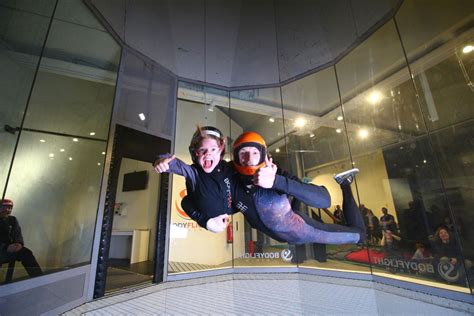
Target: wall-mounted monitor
[(135, 181)]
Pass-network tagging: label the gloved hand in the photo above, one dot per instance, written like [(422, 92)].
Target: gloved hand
[(218, 223)]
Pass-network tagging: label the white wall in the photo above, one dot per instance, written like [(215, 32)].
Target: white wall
[(373, 184), (140, 208)]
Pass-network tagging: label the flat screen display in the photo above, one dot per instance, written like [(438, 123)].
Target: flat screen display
[(135, 181)]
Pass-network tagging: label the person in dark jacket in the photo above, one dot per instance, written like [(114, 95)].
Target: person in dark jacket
[(11, 241), (258, 204)]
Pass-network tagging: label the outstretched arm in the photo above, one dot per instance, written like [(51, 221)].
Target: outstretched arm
[(169, 163), (270, 176)]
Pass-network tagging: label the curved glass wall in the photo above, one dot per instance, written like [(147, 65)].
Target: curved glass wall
[(399, 108), (57, 91)]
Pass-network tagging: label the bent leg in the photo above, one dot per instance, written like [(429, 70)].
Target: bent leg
[(28, 260), (351, 212)]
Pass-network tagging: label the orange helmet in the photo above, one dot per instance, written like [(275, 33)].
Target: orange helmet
[(249, 139)]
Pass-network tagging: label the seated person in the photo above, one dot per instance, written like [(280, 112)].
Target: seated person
[(421, 254), (448, 256), (11, 241)]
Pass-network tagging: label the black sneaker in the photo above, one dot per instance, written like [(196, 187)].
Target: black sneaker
[(346, 177)]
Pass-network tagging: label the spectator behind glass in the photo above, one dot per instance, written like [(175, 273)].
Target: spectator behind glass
[(387, 221), (339, 215), (446, 250), (11, 241), (373, 227)]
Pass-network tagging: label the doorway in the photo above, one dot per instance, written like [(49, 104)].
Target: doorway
[(133, 233)]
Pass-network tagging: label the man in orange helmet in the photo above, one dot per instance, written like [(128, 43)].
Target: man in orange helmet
[(267, 189)]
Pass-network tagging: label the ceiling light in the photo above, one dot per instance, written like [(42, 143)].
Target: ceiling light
[(338, 130), (467, 49), (277, 150), (339, 118), (70, 158), (61, 150), (98, 163), (103, 153), (300, 122), (271, 119), (424, 161), (92, 133), (75, 140), (311, 135), (375, 97), (42, 141), (141, 116), (363, 133), (51, 155)]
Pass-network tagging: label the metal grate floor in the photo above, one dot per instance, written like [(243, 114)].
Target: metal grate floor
[(272, 294)]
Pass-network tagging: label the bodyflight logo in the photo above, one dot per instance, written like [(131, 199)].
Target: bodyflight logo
[(285, 255), (177, 204)]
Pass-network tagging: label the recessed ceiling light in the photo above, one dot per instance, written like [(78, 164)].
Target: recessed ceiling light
[(300, 122), (467, 49), (271, 119), (70, 158), (92, 133), (277, 150), (339, 118), (338, 130), (61, 150), (51, 155), (363, 133), (103, 153), (311, 135), (42, 141), (75, 140), (98, 163), (141, 116), (375, 97)]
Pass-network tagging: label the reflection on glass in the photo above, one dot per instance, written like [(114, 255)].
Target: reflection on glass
[(259, 110), (22, 30), (318, 150), (147, 96), (192, 247), (399, 178), (456, 168), (55, 185), (57, 166)]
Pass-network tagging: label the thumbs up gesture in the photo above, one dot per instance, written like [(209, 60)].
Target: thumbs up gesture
[(162, 165), (265, 176)]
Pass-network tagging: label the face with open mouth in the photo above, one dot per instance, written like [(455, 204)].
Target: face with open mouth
[(209, 154)]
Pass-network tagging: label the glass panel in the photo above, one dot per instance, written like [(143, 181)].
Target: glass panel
[(259, 110), (398, 173), (317, 147), (23, 31), (439, 44), (55, 185), (190, 244), (79, 69), (455, 160), (147, 97), (57, 167)]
